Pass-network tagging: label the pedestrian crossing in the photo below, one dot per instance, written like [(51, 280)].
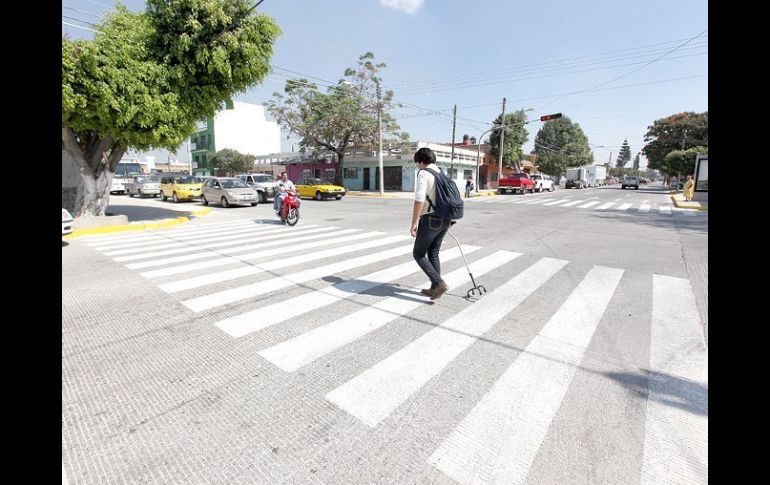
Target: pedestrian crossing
[(592, 203), (248, 278)]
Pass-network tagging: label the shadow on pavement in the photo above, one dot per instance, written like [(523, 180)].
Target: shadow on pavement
[(144, 213)]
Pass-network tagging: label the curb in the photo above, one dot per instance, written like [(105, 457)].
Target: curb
[(684, 205), (365, 194), (137, 227)]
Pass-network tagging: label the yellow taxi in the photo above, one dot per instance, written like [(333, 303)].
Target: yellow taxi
[(180, 187), (319, 189)]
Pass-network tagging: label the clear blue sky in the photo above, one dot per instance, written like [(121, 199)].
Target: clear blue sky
[(445, 52)]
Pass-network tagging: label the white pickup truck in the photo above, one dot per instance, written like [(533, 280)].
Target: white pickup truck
[(543, 182)]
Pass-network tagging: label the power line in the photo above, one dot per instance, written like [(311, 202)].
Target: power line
[(80, 11), (78, 20), (81, 27), (631, 71), (538, 65)]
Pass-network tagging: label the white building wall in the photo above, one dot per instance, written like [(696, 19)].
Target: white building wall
[(246, 129)]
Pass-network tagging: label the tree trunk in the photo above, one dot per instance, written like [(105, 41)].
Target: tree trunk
[(88, 165), (338, 172)]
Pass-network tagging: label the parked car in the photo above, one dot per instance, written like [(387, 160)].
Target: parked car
[(66, 222), (263, 183), (228, 191), (543, 182), (180, 187), (320, 189), (516, 182), (143, 185), (630, 181)]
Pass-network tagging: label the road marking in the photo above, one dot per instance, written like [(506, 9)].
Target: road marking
[(676, 428), (499, 439), (375, 393), (308, 347), (232, 295)]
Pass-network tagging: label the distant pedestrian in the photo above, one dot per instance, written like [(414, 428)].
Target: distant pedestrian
[(468, 187), (689, 188)]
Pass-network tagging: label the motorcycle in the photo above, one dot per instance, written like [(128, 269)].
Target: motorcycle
[(290, 208)]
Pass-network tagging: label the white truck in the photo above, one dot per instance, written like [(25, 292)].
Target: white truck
[(596, 175), (577, 178)]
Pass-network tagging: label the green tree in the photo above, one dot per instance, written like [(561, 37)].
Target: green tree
[(636, 162), (343, 116), (515, 136), (232, 161), (682, 161), (676, 132), (146, 78), (624, 156), (560, 144)]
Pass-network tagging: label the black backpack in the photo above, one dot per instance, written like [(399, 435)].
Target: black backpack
[(448, 204)]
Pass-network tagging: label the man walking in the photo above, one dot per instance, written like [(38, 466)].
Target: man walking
[(427, 228)]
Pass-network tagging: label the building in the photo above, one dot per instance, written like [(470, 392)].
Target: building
[(242, 127)]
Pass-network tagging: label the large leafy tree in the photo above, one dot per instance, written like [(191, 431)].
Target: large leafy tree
[(343, 116), (232, 161), (624, 156), (681, 161), (515, 136), (146, 78), (676, 132), (559, 144)]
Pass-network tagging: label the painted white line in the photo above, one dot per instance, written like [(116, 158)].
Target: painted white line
[(665, 209), (310, 346), (539, 201), (375, 393), (116, 238), (645, 207), (676, 428), (233, 252), (568, 204), (167, 242), (64, 480), (220, 276), (282, 262), (559, 201), (278, 312), (588, 204), (232, 295), (499, 439), (624, 206), (244, 243), (604, 206)]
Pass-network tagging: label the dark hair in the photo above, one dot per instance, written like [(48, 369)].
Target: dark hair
[(425, 156), (281, 175)]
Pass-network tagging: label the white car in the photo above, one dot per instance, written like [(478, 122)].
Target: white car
[(543, 182), (66, 222), (143, 186)]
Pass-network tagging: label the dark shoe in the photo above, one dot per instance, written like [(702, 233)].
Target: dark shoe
[(439, 290), (427, 291)]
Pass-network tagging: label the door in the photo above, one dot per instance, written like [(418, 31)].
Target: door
[(377, 178), (393, 178), (482, 181), (367, 176)]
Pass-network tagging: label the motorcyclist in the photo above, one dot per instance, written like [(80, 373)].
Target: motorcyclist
[(284, 186)]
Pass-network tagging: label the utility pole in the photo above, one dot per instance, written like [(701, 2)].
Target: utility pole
[(379, 127), (452, 157), (502, 146)]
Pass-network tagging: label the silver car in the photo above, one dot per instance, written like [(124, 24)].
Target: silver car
[(264, 184), (143, 185), (228, 191)]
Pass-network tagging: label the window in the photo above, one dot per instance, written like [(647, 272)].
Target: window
[(467, 174), (350, 173)]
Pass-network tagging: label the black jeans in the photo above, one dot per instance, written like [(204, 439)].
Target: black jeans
[(430, 233)]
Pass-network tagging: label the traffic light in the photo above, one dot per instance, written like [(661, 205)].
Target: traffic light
[(550, 117)]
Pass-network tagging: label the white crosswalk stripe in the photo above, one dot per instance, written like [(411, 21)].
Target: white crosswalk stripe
[(645, 207), (502, 434), (499, 436), (375, 393)]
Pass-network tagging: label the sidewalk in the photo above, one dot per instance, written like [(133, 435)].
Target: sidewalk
[(678, 200)]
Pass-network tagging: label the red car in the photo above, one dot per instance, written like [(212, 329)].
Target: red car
[(517, 182)]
